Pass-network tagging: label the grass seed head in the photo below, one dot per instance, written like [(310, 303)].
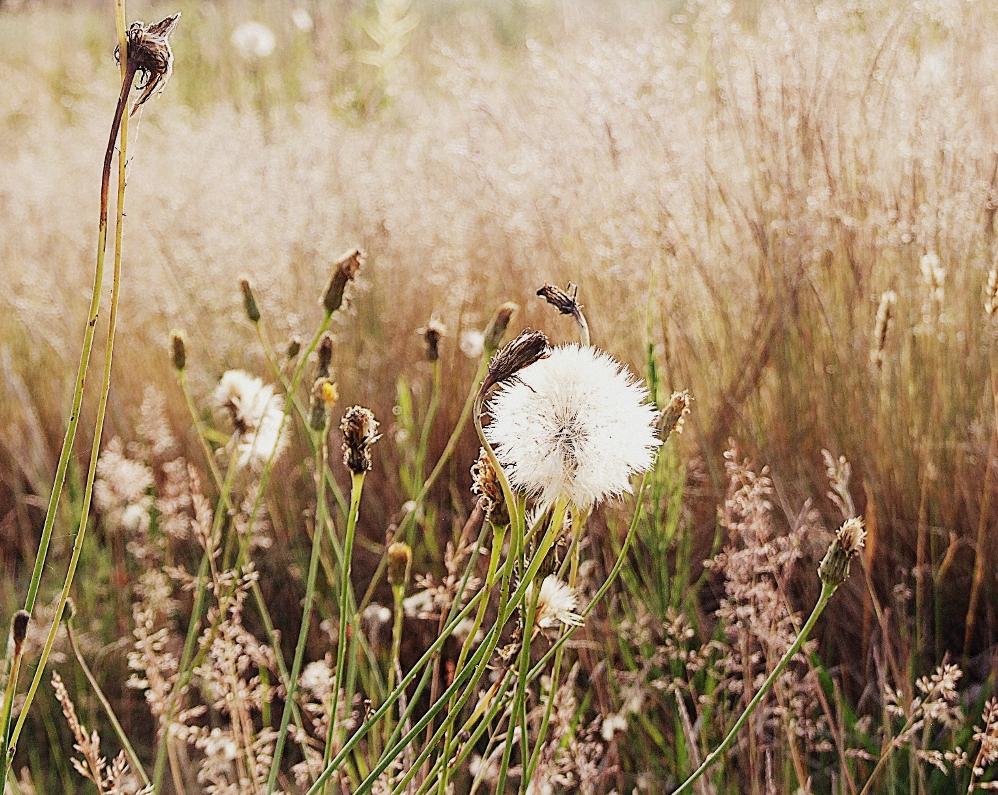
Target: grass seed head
[(19, 629), (399, 563), (673, 416)]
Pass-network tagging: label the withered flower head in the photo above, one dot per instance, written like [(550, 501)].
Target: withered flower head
[(848, 543), (565, 301), (485, 483), (325, 356), (324, 397), (399, 563), (249, 301), (344, 271), (360, 432), (432, 333), (179, 350), (19, 629), (294, 347), (523, 351), (673, 416), (150, 56), (497, 326)]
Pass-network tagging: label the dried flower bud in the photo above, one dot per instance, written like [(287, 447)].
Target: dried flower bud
[(673, 416), (848, 542), (294, 347), (565, 301), (19, 629), (324, 397), (360, 432), (325, 356), (249, 301), (496, 329), (70, 612), (399, 563), (150, 56), (522, 352), (179, 349), (344, 270), (432, 333)]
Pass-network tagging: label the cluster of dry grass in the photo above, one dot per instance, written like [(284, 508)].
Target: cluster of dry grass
[(735, 187)]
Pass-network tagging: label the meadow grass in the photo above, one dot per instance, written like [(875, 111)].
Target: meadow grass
[(787, 210)]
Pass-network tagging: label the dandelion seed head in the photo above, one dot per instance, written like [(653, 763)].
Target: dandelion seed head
[(257, 415), (576, 424), (557, 603), (472, 343), (253, 40)]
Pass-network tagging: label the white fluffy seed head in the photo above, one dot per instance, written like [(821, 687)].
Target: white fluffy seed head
[(575, 425), (557, 603), (256, 413)]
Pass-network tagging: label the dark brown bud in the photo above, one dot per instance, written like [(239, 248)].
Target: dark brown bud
[(325, 356), (344, 271), (522, 352), (496, 329), (324, 397), (19, 629), (249, 301), (399, 563), (848, 543), (432, 334), (179, 348), (360, 432), (150, 56), (674, 414), (294, 347), (565, 301)]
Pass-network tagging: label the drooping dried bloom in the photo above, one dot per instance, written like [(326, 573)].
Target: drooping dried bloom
[(674, 414), (565, 301), (485, 482), (178, 348), (848, 543), (344, 271), (991, 295), (19, 629), (557, 603), (360, 432), (522, 352), (432, 333), (325, 356), (150, 56), (575, 425), (399, 563), (885, 312), (256, 414), (496, 329), (249, 301)]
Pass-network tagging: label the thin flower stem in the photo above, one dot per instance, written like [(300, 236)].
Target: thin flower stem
[(119, 131), (133, 758), (578, 522), (356, 489), (398, 614), (477, 666), (313, 572), (826, 594)]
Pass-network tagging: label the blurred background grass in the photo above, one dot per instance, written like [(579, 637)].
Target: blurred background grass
[(733, 186)]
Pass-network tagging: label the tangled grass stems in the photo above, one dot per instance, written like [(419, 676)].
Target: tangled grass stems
[(119, 132)]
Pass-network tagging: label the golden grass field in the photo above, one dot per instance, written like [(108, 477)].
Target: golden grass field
[(734, 187)]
